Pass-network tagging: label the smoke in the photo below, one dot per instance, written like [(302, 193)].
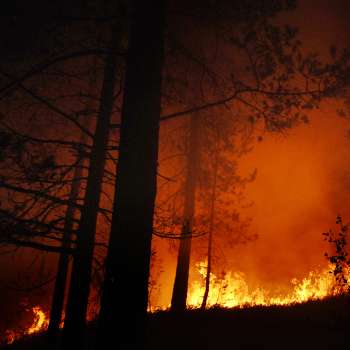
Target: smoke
[(303, 180), (302, 184)]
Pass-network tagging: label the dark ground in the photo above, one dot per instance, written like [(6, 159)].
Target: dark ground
[(314, 325)]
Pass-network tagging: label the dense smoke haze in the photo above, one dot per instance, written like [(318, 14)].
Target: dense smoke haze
[(302, 180), (300, 187), (278, 187)]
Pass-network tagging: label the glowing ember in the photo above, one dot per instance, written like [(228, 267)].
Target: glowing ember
[(233, 291), (10, 337)]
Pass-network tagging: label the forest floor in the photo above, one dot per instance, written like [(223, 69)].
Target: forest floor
[(313, 325)]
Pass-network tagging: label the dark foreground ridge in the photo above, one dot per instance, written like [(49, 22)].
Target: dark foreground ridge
[(313, 325)]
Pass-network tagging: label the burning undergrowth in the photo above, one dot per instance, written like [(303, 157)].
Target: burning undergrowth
[(228, 292), (39, 324), (325, 288), (309, 325), (232, 290)]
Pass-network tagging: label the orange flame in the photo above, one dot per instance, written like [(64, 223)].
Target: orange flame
[(233, 291), (10, 337), (40, 323)]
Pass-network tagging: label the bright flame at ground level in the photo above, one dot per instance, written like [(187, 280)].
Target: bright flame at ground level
[(40, 323), (233, 291), (228, 291)]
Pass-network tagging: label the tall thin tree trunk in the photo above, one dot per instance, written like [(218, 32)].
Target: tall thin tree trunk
[(60, 286), (125, 292), (63, 261), (210, 234), (179, 296), (75, 320)]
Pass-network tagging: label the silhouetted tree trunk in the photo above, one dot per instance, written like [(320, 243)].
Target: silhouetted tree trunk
[(63, 260), (125, 291), (75, 320), (60, 287), (179, 296), (210, 233)]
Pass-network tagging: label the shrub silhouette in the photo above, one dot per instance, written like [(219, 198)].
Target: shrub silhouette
[(340, 258)]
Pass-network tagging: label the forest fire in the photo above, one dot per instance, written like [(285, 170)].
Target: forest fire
[(228, 291), (40, 321), (232, 290), (184, 155), (39, 324)]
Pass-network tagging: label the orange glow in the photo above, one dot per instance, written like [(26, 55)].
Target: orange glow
[(10, 337), (39, 324), (233, 290), (300, 188)]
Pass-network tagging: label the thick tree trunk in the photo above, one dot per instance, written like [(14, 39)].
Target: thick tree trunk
[(123, 312), (210, 234), (179, 296), (75, 320)]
